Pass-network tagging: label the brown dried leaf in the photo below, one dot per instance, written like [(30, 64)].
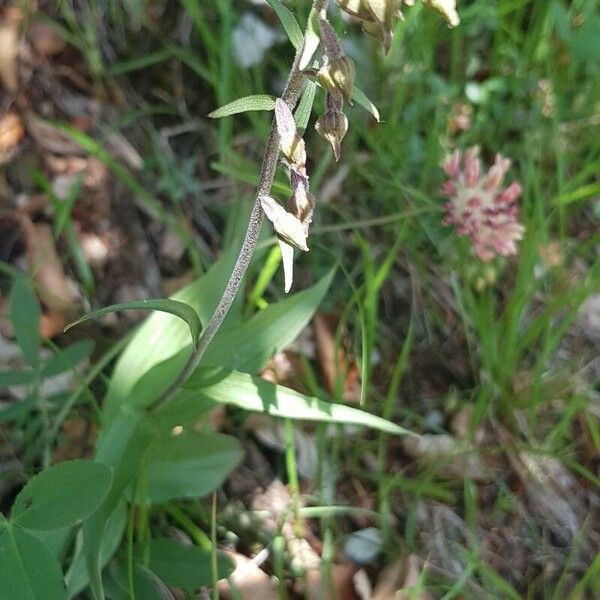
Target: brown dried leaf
[(342, 584), (9, 52), (56, 290), (44, 39), (400, 576), (11, 133), (49, 138), (334, 362), (249, 579)]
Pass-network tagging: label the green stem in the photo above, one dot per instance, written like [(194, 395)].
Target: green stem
[(290, 95)]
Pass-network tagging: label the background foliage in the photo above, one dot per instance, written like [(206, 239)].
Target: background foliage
[(117, 187)]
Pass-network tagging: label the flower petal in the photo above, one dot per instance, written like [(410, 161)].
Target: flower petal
[(287, 257)]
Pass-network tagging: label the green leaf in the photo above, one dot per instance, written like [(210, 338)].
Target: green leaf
[(256, 394), (121, 447), (184, 409), (29, 571), (15, 378), (312, 39), (25, 315), (161, 335), (173, 307), (77, 577), (305, 106), (189, 465), (288, 20), (249, 346), (188, 567), (146, 584), (246, 104), (68, 358), (62, 495), (18, 409), (360, 97)]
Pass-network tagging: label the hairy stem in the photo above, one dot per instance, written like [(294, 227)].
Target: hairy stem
[(290, 95)]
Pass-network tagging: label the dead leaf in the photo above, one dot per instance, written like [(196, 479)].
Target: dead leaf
[(400, 576), (11, 133), (120, 147), (44, 39), (342, 584), (77, 439), (554, 494), (9, 52), (333, 361), (49, 138), (249, 580), (57, 292)]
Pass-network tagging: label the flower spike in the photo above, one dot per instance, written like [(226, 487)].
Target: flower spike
[(478, 205)]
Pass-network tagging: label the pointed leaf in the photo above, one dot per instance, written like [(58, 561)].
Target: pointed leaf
[(68, 358), (305, 106), (249, 346), (29, 571), (161, 336), (121, 447), (312, 40), (256, 394), (187, 567), (288, 20), (62, 495), (25, 316), (246, 104), (173, 307), (360, 97), (189, 465), (77, 577), (8, 378)]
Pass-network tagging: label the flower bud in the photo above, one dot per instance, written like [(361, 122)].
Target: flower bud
[(337, 77), (291, 144), (333, 126), (447, 8), (302, 202), (286, 225), (377, 17), (355, 8)]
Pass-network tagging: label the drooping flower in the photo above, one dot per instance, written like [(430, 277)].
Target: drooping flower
[(291, 225), (378, 16), (479, 206), (333, 125), (290, 143), (337, 74)]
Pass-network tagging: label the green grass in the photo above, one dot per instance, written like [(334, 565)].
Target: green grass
[(433, 331)]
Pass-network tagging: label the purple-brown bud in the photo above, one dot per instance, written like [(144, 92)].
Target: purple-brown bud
[(333, 126), (291, 144), (337, 77)]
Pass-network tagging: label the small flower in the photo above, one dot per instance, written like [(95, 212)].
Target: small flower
[(447, 8), (290, 143), (337, 77), (337, 74), (479, 207), (377, 16), (287, 226), (333, 126), (302, 203)]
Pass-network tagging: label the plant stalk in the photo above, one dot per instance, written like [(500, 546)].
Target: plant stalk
[(290, 95)]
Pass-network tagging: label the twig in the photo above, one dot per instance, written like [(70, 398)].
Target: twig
[(290, 95)]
